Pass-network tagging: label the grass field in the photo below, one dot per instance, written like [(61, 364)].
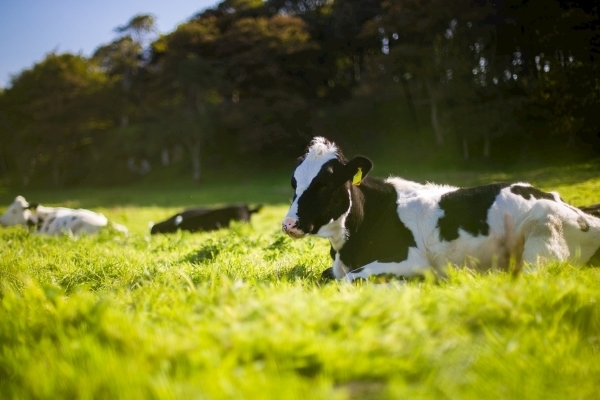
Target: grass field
[(241, 313)]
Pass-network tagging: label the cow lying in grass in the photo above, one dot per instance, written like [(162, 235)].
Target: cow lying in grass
[(204, 219), (55, 220), (402, 228)]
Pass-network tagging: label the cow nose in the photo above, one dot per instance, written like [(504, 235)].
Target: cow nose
[(288, 224), (289, 227)]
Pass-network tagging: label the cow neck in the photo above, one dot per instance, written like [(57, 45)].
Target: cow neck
[(368, 224), (370, 202), (349, 220)]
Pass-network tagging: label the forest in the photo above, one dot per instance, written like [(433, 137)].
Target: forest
[(249, 82)]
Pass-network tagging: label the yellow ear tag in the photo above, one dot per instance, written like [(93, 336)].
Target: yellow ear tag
[(357, 177)]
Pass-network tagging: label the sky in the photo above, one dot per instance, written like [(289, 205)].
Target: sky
[(29, 29)]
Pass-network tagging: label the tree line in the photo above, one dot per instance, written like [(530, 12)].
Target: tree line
[(253, 80)]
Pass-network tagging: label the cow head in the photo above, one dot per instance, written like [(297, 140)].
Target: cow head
[(169, 226), (18, 213), (322, 190)]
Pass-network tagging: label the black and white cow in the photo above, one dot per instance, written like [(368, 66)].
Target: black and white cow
[(205, 219), (55, 220), (403, 228)]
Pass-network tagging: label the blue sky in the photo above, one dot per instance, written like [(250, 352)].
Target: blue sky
[(29, 29)]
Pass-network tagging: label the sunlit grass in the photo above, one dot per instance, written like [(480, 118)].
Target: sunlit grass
[(241, 314)]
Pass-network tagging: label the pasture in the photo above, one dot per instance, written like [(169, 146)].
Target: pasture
[(241, 313)]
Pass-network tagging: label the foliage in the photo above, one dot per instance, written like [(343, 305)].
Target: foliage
[(484, 80), (241, 313), (50, 109)]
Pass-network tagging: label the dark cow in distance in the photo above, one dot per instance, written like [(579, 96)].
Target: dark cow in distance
[(205, 219), (402, 228)]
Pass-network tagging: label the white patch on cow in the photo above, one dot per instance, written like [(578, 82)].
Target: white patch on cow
[(178, 220), (339, 269)]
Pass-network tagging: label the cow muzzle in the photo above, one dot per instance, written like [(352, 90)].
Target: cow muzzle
[(289, 227)]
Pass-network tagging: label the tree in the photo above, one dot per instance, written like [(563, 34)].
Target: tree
[(185, 93), (258, 60), (50, 111), (123, 59), (5, 136), (140, 27), (563, 46)]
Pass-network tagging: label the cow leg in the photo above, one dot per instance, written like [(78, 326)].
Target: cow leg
[(414, 265), (328, 275)]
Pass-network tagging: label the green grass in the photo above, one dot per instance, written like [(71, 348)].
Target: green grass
[(241, 313)]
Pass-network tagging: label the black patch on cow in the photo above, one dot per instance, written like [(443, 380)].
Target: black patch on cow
[(332, 253), (376, 233), (73, 217), (467, 209), (583, 224), (294, 185), (591, 210), (32, 206), (529, 191)]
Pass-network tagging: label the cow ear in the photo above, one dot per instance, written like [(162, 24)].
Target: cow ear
[(32, 206), (357, 169)]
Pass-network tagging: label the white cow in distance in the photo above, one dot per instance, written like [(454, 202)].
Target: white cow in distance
[(55, 220)]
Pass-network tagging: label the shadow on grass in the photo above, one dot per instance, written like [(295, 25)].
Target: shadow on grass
[(300, 273), (206, 253), (364, 390)]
